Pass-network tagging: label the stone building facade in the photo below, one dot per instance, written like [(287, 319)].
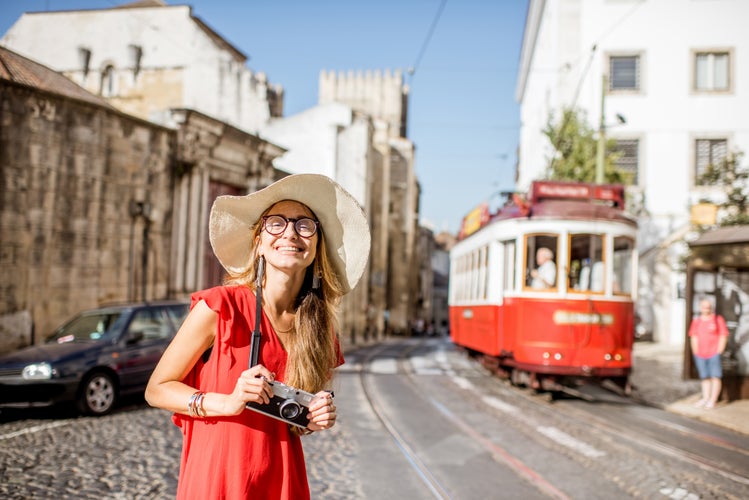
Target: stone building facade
[(85, 213), (212, 158), (99, 206)]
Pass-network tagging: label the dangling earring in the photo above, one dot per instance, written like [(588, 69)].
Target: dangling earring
[(316, 279)]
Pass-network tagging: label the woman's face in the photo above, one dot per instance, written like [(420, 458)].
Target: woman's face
[(288, 250)]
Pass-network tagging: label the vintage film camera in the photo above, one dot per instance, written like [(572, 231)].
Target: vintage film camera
[(288, 404)]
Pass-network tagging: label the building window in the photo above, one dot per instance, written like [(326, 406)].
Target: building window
[(84, 59), (708, 152), (624, 73), (136, 56), (107, 82), (627, 159), (712, 71)]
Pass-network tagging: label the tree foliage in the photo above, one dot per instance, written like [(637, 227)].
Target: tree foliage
[(576, 146), (734, 178)]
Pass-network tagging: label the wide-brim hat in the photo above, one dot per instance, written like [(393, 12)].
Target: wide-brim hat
[(342, 222)]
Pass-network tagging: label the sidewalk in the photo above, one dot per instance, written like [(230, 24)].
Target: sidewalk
[(656, 378)]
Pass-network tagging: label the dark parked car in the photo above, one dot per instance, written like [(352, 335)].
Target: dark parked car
[(93, 359)]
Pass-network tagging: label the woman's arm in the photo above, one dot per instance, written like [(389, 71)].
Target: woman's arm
[(723, 334), (165, 388)]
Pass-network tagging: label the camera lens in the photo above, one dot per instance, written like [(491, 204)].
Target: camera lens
[(290, 409)]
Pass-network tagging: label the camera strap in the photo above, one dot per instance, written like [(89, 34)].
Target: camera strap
[(255, 339)]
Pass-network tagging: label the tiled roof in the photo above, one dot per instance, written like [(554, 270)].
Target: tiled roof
[(142, 3), (723, 236), (23, 71)]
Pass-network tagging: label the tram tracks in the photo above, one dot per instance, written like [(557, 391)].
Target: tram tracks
[(429, 477), (669, 450), (417, 465), (541, 421), (663, 437)]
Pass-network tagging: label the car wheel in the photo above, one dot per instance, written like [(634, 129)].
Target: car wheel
[(98, 394)]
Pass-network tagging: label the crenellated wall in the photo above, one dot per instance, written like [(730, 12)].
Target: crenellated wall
[(382, 95)]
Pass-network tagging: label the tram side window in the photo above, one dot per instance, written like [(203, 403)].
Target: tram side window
[(484, 272), (624, 249), (464, 277), (586, 267), (509, 265), (472, 276), (540, 258)]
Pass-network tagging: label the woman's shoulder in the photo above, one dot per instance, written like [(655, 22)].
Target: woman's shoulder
[(217, 295), (225, 290)]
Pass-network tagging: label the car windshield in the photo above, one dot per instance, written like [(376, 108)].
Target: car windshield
[(87, 327)]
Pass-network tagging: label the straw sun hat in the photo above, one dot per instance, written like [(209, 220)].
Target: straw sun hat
[(342, 223)]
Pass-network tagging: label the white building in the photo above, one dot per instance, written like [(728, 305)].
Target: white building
[(330, 139), (676, 72), (149, 57)]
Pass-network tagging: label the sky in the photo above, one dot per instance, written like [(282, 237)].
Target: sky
[(464, 54)]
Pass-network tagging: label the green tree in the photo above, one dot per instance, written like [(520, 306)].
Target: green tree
[(734, 178), (575, 145)]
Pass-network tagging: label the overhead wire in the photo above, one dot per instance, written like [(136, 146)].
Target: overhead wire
[(422, 51)]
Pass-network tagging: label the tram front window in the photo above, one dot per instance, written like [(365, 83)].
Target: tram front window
[(587, 270), (540, 262)]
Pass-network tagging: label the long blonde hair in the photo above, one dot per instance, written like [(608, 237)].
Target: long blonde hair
[(312, 352)]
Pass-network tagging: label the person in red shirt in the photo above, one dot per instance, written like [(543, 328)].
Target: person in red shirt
[(708, 336), (291, 250)]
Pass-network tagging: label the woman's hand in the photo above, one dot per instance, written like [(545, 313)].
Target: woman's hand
[(322, 412), (252, 386)]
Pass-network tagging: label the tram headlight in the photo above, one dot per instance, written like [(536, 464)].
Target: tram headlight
[(546, 355), (607, 356), (618, 357), (557, 356)]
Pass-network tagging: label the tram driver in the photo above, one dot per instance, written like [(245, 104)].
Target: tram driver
[(545, 275)]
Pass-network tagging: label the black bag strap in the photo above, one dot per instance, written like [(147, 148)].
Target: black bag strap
[(255, 339)]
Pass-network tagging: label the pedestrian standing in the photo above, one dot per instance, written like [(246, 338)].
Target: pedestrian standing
[(297, 245), (708, 336)]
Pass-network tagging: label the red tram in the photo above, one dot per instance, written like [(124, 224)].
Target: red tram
[(543, 289)]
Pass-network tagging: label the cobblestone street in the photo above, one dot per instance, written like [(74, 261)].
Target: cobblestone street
[(133, 454)]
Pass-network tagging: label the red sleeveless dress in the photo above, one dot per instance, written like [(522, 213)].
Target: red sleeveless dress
[(249, 455)]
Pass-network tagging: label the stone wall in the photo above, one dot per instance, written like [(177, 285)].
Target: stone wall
[(82, 188)]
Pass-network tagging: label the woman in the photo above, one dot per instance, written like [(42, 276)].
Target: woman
[(708, 336), (307, 240)]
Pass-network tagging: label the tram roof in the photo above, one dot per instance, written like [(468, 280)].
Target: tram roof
[(555, 200)]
